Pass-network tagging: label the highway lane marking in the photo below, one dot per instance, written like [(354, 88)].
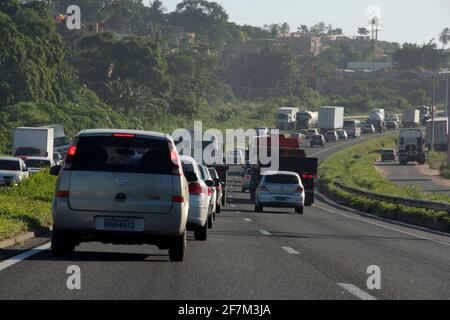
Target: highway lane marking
[(232, 205), (265, 232), (331, 148), (248, 220), (290, 250), (354, 290), (383, 226), (23, 256)]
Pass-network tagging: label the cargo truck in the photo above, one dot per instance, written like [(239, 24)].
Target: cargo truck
[(306, 120), (410, 145), (440, 134), (291, 158), (61, 142), (411, 118), (36, 142), (286, 118), (331, 118)]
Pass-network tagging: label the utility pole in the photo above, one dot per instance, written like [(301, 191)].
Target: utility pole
[(448, 119), (432, 114)]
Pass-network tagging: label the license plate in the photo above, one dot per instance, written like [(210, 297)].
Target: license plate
[(280, 198), (119, 224)]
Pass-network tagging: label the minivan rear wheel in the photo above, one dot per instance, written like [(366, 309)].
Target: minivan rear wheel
[(299, 210), (61, 244), (210, 221), (201, 233), (177, 248)]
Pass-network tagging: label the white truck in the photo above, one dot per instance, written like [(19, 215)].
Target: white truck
[(61, 142), (410, 146), (33, 142), (286, 118), (376, 118), (440, 134), (306, 120), (411, 118), (331, 118)]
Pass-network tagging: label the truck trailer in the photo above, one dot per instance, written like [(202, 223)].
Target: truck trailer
[(331, 118)]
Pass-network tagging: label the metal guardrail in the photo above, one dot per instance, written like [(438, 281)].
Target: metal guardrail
[(423, 204)]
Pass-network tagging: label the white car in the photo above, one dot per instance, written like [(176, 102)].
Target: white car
[(198, 199), (311, 132), (235, 157), (57, 158), (206, 177), (262, 131), (12, 171), (280, 189), (36, 164)]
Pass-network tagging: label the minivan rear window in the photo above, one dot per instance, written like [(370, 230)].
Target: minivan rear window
[(122, 154), (281, 178)]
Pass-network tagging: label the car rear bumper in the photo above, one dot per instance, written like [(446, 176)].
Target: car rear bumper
[(290, 201), (167, 224), (197, 216)]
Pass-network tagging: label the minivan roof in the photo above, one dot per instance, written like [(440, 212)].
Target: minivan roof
[(102, 132)]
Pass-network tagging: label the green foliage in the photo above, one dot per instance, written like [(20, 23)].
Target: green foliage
[(354, 167), (411, 56), (31, 54), (26, 207)]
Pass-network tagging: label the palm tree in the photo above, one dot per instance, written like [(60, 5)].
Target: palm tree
[(363, 31), (444, 36)]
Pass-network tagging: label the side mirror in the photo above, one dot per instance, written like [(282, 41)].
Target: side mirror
[(190, 176), (25, 169), (210, 183), (54, 171), (216, 182), (46, 154)]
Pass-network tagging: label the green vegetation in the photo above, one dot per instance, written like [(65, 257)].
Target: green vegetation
[(354, 167), (27, 206), (438, 161)]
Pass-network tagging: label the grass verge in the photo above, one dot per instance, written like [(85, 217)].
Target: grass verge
[(354, 167), (27, 206)]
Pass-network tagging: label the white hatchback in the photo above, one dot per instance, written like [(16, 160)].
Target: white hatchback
[(281, 189)]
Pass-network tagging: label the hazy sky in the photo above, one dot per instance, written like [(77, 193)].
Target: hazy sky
[(402, 20)]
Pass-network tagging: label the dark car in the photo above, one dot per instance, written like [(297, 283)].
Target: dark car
[(331, 136), (388, 155), (392, 125), (317, 140), (218, 184)]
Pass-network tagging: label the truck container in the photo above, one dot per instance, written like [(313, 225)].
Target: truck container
[(411, 118), (306, 120), (440, 134), (61, 142), (38, 139), (286, 117), (331, 118), (410, 145)]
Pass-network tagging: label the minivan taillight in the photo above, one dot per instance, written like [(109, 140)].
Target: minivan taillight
[(299, 190), (177, 169), (195, 188), (69, 156), (263, 189), (210, 191), (62, 194)]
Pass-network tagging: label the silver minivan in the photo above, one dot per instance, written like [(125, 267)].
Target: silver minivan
[(121, 187)]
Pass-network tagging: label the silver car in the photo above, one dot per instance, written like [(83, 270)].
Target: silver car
[(280, 189), (198, 199), (121, 187), (12, 171)]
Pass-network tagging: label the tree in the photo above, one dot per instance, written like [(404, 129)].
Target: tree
[(208, 19), (444, 36), (303, 29), (285, 28), (319, 28), (411, 56), (363, 31)]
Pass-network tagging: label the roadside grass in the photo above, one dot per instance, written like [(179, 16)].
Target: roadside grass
[(438, 161), (354, 167), (27, 206)]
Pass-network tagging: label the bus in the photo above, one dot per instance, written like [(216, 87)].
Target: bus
[(353, 128)]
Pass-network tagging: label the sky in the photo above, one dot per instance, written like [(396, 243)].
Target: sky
[(402, 21)]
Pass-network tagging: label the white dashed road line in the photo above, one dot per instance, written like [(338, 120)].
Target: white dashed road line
[(357, 292), (265, 232), (24, 255), (248, 220), (290, 250)]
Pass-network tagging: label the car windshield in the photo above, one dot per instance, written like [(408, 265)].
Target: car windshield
[(122, 154), (281, 179), (36, 163), (9, 165)]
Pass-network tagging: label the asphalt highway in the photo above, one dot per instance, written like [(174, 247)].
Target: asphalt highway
[(277, 254)]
